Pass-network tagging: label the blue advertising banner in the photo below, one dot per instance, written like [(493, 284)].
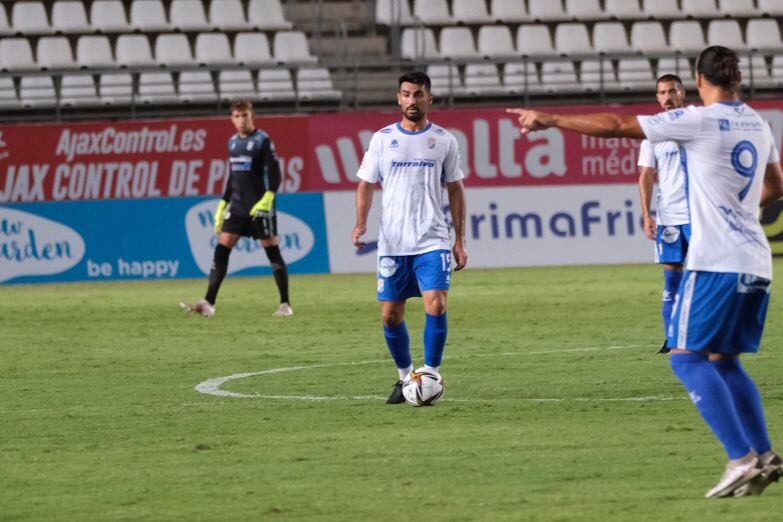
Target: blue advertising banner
[(147, 239)]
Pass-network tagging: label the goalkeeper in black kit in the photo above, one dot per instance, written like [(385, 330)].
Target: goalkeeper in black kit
[(247, 208)]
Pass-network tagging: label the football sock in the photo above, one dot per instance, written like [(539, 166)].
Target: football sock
[(404, 372), (712, 398), (279, 271), (217, 272), (747, 401), (432, 368), (435, 332), (399, 343), (671, 283)]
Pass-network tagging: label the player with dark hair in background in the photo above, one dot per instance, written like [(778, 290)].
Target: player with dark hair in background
[(247, 207)]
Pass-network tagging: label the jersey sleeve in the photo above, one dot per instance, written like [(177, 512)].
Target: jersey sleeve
[(451, 165), (647, 155), (678, 125), (774, 154), (370, 169), (272, 176)]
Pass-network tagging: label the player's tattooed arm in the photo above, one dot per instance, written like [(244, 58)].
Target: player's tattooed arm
[(773, 184), (364, 193), (602, 125)]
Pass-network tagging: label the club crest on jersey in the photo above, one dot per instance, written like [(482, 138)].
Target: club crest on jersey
[(724, 124), (249, 145), (394, 144), (675, 115), (431, 143), (387, 267), (670, 234)]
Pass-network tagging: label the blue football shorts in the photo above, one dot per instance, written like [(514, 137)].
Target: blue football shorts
[(402, 277), (719, 312), (671, 245)]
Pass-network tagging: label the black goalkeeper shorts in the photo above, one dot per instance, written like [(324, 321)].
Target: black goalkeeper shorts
[(262, 227)]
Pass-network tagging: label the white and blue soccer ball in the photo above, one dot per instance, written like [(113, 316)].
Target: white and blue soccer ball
[(423, 387)]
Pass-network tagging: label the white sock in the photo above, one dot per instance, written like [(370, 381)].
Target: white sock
[(404, 372), (435, 369)]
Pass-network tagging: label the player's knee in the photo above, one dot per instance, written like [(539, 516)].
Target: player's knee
[(392, 317)]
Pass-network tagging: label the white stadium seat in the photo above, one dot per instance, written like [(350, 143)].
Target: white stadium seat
[(764, 34), (108, 16), (196, 86), (188, 15), (54, 52), (393, 12), (156, 87), (30, 18), (661, 9), (316, 84), (534, 40), (509, 11), (252, 49), (585, 10), (678, 66), (94, 51), (739, 8), (16, 54), (622, 9), (546, 10), (291, 47), (610, 37), (572, 38), (495, 41), (687, 36), (235, 84), (8, 97), (445, 79), (432, 12), (37, 91), (726, 33), (648, 37), (275, 84), (70, 17), (777, 70), (457, 43), (148, 15), (78, 90), (5, 28), (559, 77), (758, 74), (470, 12), (635, 74), (771, 7), (267, 14), (213, 48), (482, 78), (592, 72), (521, 77), (115, 88), (418, 43), (133, 50), (173, 50), (699, 8), (228, 15)]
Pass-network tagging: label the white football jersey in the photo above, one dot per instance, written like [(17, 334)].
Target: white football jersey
[(671, 202), (412, 168), (727, 147)]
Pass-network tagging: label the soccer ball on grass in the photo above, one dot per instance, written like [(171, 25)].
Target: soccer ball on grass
[(423, 387)]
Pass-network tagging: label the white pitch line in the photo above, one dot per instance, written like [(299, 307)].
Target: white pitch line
[(212, 386)]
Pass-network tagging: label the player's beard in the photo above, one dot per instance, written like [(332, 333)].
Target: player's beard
[(414, 116)]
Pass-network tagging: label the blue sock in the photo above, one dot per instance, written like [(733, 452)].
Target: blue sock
[(671, 282), (747, 401), (711, 396), (399, 343), (435, 331)]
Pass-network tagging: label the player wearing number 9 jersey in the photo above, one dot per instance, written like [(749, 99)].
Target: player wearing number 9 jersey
[(732, 168)]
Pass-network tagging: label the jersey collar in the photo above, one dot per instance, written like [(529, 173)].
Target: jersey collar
[(732, 103), (413, 133)]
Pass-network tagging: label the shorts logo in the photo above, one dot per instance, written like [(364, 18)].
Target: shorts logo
[(724, 125), (380, 285), (670, 234), (387, 267)]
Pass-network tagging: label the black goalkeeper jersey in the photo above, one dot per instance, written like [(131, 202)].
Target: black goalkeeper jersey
[(254, 169)]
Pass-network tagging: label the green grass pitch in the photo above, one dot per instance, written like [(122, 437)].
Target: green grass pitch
[(556, 407)]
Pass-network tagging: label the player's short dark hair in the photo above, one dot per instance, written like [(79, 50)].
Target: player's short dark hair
[(241, 105), (720, 66), (417, 77), (670, 78)]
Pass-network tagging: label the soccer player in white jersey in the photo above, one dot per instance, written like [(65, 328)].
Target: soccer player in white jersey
[(661, 163), (732, 167), (413, 160)]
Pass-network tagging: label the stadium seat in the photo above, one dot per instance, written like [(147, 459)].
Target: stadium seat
[(546, 10), (509, 11), (94, 51), (108, 16), (726, 33), (534, 40), (275, 84), (585, 10), (470, 12), (495, 41), (267, 14), (622, 9), (592, 72), (445, 79), (686, 36), (771, 7), (5, 29), (521, 77), (418, 43), (557, 77), (457, 43), (54, 52), (228, 15), (8, 97), (699, 8), (77, 90), (252, 49), (432, 12), (148, 15), (196, 86), (30, 18), (482, 78), (37, 91), (572, 38), (16, 55), (156, 87), (188, 15), (737, 8), (635, 74), (116, 88), (757, 74), (777, 70), (133, 50), (393, 12), (661, 9), (173, 50), (610, 37), (291, 47), (235, 83), (679, 66), (648, 37), (70, 17), (764, 34), (213, 48), (316, 84)]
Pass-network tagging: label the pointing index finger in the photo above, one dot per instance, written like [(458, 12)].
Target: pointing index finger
[(520, 112)]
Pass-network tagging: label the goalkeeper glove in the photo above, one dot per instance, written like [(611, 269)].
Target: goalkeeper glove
[(220, 215), (264, 204)]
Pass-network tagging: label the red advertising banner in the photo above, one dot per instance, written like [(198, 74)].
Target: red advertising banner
[(188, 157)]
